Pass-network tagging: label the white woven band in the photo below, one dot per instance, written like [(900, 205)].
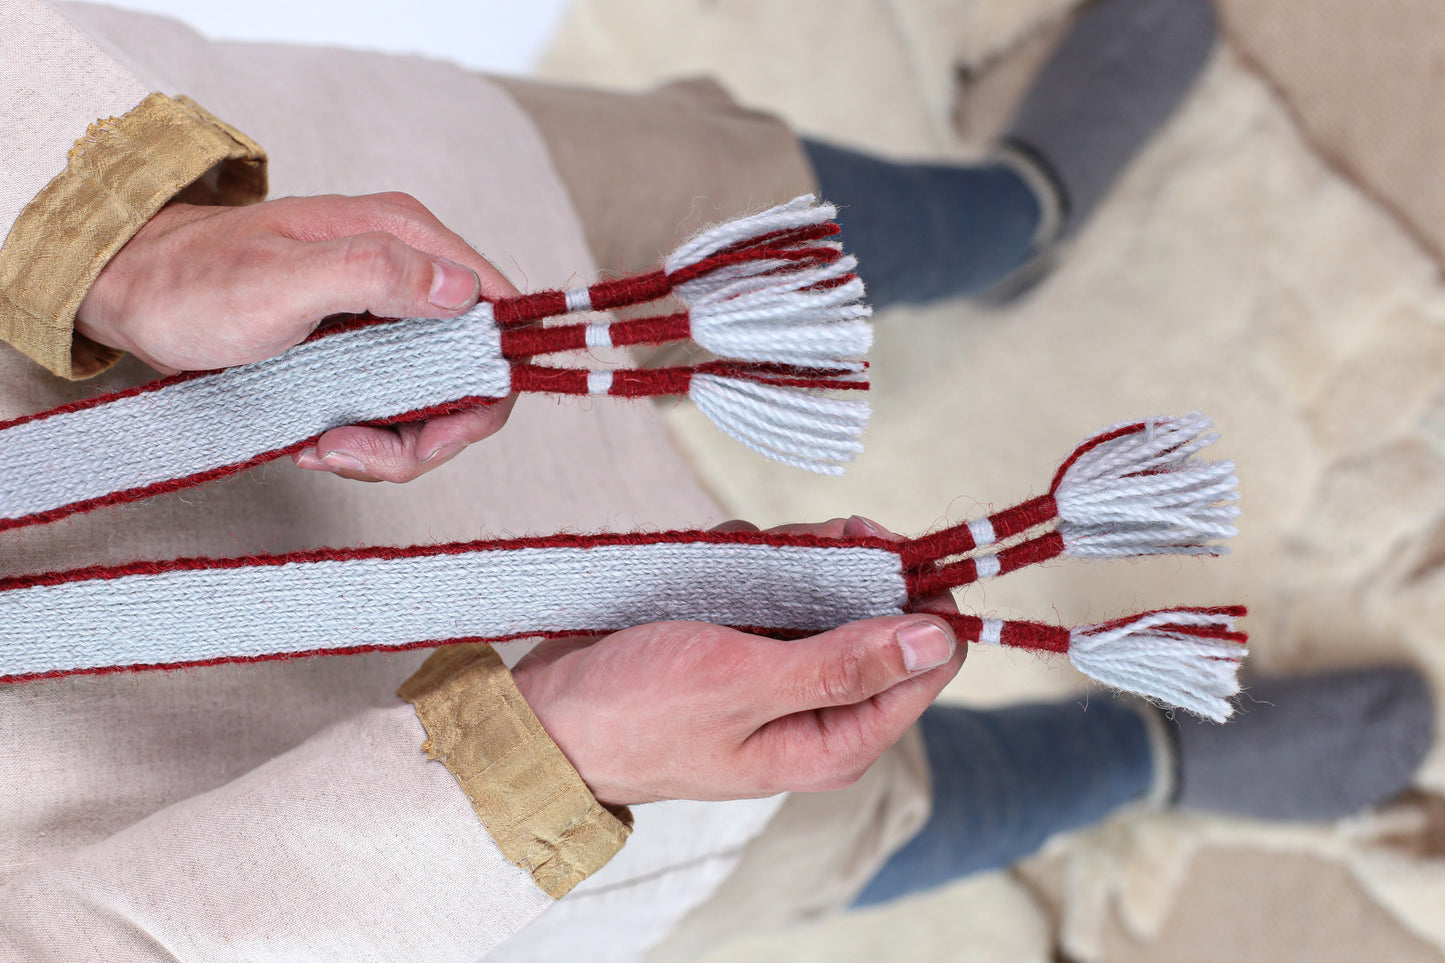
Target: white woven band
[(199, 615), (226, 418)]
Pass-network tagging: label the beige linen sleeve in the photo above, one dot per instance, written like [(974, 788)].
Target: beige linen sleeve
[(354, 846), (535, 805), (87, 155)]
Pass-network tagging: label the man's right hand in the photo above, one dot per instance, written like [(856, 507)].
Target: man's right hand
[(687, 710)]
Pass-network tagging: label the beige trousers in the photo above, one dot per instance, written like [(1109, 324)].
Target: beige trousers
[(646, 170)]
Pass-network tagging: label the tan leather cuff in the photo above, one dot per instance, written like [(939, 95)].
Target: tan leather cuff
[(534, 804), (118, 175)]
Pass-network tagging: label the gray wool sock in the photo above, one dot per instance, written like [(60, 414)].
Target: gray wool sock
[(1121, 71), (1314, 747)]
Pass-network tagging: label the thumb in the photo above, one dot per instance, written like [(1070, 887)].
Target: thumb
[(856, 690), (378, 273), (855, 662)]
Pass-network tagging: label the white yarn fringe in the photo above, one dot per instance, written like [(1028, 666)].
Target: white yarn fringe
[(740, 312), (1153, 658), (801, 211), (777, 311), (795, 426), (770, 310), (1145, 494)]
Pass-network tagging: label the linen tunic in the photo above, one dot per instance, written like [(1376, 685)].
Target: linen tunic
[(288, 810)]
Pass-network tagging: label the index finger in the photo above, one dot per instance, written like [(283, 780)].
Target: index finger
[(335, 216)]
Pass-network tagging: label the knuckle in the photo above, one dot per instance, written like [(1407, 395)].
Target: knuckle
[(390, 468), (850, 754), (387, 473), (825, 775), (376, 254), (399, 199), (492, 421), (839, 780), (403, 214), (842, 678)]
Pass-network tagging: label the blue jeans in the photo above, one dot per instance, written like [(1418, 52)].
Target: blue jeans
[(1005, 780), (927, 231)]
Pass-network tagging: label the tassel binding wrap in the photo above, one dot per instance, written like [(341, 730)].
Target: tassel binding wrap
[(772, 295), (1134, 489)]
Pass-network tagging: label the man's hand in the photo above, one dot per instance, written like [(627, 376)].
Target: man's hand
[(210, 287), (686, 710)]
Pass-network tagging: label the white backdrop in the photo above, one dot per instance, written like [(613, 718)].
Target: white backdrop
[(503, 36)]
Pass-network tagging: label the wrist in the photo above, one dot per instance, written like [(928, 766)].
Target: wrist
[(102, 314), (537, 683)]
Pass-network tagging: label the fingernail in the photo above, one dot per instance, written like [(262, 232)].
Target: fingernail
[(341, 460), (307, 459), (453, 287), (443, 452), (858, 525), (925, 645)]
